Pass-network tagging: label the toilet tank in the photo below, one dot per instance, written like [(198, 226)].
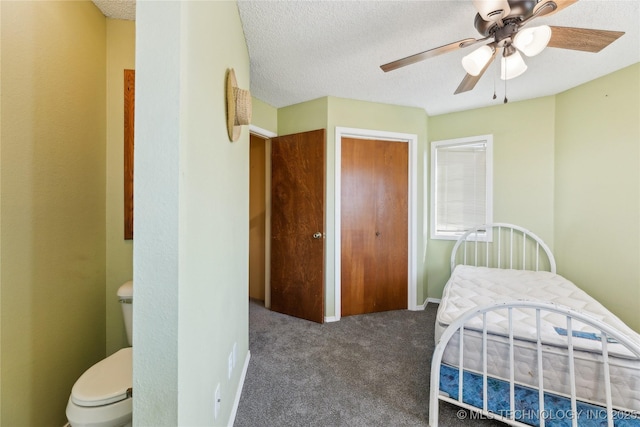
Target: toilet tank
[(125, 297)]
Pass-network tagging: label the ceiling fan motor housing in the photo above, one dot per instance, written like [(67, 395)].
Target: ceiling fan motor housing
[(519, 11), (492, 10), (505, 35)]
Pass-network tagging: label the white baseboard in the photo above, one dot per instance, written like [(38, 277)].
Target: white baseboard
[(236, 402), (420, 307), (329, 319), (432, 301)]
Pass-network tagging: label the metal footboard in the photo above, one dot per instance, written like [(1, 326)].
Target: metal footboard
[(607, 334)]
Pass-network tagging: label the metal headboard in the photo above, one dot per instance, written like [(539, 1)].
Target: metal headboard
[(502, 245)]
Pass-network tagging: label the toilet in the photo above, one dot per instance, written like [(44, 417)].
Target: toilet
[(102, 396)]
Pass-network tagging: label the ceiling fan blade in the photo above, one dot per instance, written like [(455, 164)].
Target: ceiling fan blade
[(427, 54), (560, 4), (469, 81), (583, 39), (543, 8)]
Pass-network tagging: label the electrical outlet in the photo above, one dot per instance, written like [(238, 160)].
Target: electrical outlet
[(230, 364), (235, 354), (217, 400)]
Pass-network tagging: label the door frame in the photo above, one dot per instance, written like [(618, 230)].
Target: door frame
[(412, 208), (267, 135)]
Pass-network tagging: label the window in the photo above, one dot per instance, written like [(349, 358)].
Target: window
[(461, 185)]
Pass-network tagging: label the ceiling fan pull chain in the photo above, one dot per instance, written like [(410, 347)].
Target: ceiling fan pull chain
[(495, 77), (505, 82)]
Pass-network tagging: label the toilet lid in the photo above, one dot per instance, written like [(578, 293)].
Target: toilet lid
[(105, 382)]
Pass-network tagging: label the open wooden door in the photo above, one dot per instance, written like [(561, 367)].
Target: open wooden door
[(297, 224)]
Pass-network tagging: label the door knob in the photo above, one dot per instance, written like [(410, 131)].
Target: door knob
[(317, 235)]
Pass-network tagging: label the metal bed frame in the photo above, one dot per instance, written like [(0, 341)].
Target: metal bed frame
[(505, 246)]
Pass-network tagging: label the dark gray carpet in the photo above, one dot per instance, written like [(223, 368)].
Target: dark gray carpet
[(368, 370)]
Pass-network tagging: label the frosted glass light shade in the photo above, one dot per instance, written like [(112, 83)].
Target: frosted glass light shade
[(512, 66), (531, 41), (476, 60)]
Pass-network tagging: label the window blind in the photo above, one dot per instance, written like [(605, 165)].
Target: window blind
[(461, 187)]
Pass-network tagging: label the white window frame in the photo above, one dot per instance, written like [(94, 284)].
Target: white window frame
[(435, 145)]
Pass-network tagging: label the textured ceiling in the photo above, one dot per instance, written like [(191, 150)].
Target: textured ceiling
[(303, 50), (117, 9)]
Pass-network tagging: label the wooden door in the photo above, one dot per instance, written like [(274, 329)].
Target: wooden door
[(257, 218), (374, 226), (297, 225)]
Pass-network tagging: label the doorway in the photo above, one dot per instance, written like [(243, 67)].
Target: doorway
[(257, 216), (334, 238)]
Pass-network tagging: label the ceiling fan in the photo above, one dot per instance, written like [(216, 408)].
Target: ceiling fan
[(502, 25)]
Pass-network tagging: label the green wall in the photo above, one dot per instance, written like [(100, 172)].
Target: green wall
[(264, 115), (310, 115), (566, 167), (597, 190), (191, 187), (523, 170), (52, 238), (119, 262)]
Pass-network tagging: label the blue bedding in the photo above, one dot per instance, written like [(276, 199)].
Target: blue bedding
[(557, 412)]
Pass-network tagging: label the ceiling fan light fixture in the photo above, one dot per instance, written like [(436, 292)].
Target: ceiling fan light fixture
[(474, 62), (532, 41), (512, 66)]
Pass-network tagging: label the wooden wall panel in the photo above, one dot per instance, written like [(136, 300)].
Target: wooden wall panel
[(129, 120)]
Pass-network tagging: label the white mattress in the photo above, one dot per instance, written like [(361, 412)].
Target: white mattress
[(471, 286)]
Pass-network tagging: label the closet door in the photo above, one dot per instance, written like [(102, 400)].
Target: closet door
[(358, 222), (374, 226)]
